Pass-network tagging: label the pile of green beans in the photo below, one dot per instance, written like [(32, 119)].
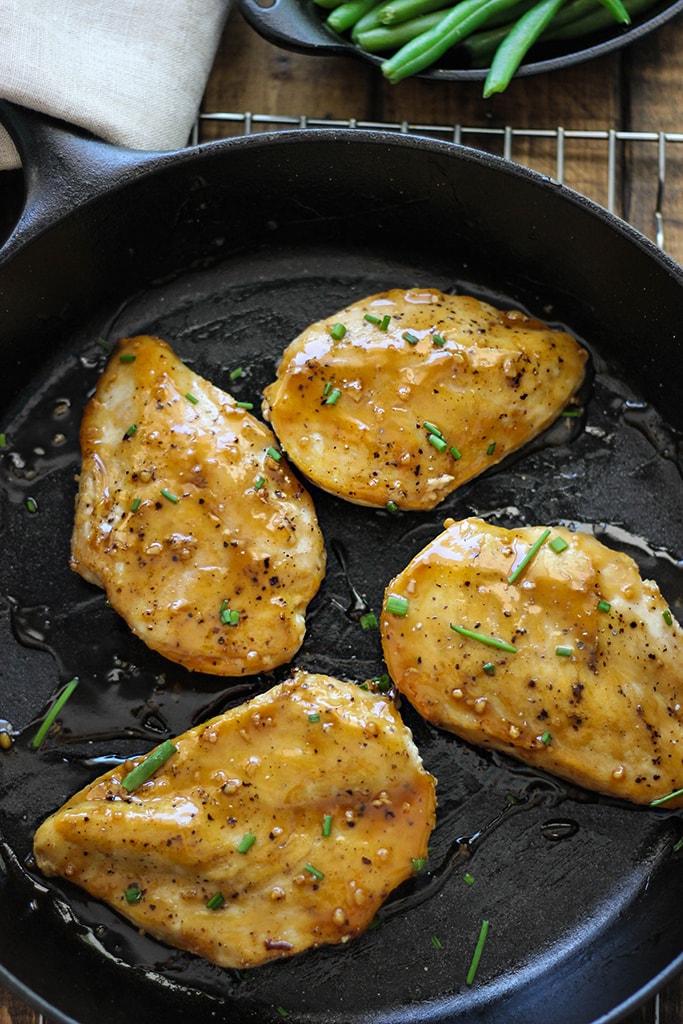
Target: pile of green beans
[(493, 34)]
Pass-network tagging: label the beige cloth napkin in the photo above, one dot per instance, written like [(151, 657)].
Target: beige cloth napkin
[(130, 71)]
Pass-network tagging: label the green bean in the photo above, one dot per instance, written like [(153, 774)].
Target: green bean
[(403, 10), (590, 23), (426, 48), (390, 37), (617, 10), (328, 4), (517, 43), (368, 21), (347, 14)]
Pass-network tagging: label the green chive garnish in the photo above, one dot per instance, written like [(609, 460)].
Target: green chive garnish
[(468, 879), (146, 768), (133, 894), (439, 443), (668, 617), (216, 901), (229, 616), (564, 651), (571, 413), (236, 373), (371, 319), (491, 448), (489, 668), (418, 864), (604, 606), (127, 357), (103, 343), (31, 505), (136, 504), (436, 942), (369, 620), (386, 320), (246, 842), (333, 397), (281, 1010), (558, 545), (432, 428), (327, 826), (547, 738), (274, 453), (338, 332), (455, 452), (411, 338), (490, 641), (131, 430), (392, 507), (396, 604), (314, 716), (245, 405), (663, 799), (169, 495), (327, 389), (315, 872), (383, 682), (259, 482), (59, 703), (478, 950), (191, 398), (3, 440), (533, 550), (438, 340)]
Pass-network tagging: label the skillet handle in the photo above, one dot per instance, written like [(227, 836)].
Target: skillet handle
[(63, 168), (293, 26)]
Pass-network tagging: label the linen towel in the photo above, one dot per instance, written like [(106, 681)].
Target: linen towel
[(132, 72)]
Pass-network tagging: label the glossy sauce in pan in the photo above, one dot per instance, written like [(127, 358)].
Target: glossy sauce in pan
[(615, 470)]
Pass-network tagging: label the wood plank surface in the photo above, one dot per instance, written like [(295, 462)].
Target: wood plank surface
[(639, 89)]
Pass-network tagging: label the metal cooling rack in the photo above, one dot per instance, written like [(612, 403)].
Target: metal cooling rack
[(655, 154)]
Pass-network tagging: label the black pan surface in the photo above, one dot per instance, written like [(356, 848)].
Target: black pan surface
[(299, 25), (227, 252)]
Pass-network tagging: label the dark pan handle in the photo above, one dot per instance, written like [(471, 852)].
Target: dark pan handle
[(63, 168), (293, 26)]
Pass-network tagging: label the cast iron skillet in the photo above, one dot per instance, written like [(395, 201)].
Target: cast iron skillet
[(227, 251), (299, 25)]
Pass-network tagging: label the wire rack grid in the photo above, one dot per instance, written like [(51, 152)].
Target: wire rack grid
[(617, 159)]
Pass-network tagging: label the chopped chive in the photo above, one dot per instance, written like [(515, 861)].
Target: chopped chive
[(558, 545), (103, 343), (133, 894), (564, 651), (468, 879), (169, 495), (677, 845), (31, 505), (436, 942), (478, 950), (59, 703), (489, 668), (547, 738), (411, 338), (455, 452), (246, 842), (663, 799), (236, 373), (571, 413), (274, 453), (216, 901), (338, 331), (371, 319), (438, 340), (281, 1010), (440, 443), (531, 553), (369, 620), (386, 320), (333, 397), (191, 398), (432, 429), (327, 826), (3, 440), (396, 604), (245, 405), (135, 504), (314, 716), (315, 872), (229, 616), (604, 606), (146, 768), (327, 389), (491, 448), (259, 482), (392, 507), (418, 864), (127, 357), (490, 641), (131, 430), (668, 617), (383, 682)]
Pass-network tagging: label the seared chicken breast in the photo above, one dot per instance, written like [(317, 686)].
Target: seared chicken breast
[(278, 826), (548, 646), (190, 518), (403, 397)]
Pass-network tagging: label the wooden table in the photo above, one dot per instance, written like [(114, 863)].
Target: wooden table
[(639, 90)]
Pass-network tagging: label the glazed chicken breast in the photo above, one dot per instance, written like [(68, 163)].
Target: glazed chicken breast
[(401, 398), (548, 646), (190, 518), (276, 827)]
